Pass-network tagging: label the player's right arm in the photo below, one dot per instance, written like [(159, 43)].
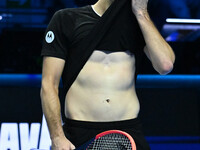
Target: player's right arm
[(51, 73)]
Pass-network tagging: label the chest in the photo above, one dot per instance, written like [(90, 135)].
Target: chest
[(106, 57)]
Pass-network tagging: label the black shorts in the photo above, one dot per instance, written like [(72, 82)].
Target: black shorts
[(79, 132)]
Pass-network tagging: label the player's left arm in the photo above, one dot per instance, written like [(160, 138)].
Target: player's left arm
[(157, 49)]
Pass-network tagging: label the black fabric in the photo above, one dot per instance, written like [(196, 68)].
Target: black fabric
[(79, 132), (69, 26), (76, 38), (60, 45)]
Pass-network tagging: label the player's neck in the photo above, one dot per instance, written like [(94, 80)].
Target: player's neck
[(102, 5)]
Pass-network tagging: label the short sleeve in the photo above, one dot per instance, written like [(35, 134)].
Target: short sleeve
[(56, 42)]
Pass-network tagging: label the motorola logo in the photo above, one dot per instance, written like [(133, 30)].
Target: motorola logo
[(49, 37)]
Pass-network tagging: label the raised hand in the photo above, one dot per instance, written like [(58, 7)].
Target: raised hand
[(139, 6)]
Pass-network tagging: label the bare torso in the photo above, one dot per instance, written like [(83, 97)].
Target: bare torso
[(104, 89)]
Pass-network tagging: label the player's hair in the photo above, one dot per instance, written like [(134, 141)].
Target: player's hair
[(81, 3)]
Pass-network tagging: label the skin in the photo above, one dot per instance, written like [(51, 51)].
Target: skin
[(115, 88)]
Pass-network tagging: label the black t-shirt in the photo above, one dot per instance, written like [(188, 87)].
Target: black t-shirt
[(68, 27)]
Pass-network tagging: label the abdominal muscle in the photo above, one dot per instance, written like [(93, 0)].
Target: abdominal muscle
[(104, 90)]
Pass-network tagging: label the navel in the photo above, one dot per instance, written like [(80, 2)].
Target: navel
[(108, 100)]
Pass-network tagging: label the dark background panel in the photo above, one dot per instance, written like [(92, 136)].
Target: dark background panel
[(171, 111), (20, 104)]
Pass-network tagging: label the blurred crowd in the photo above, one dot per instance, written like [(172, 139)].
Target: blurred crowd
[(162, 9), (158, 9)]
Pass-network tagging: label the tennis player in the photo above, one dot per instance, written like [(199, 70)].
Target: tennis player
[(102, 96)]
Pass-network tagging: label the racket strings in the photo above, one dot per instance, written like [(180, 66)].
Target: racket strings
[(111, 142)]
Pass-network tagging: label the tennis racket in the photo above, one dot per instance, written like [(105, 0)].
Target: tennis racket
[(110, 140)]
